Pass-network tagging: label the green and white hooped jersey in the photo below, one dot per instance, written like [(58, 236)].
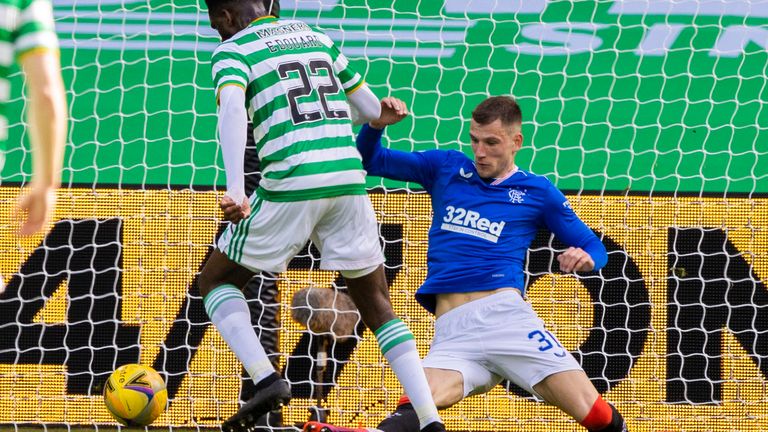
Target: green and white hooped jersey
[(25, 26), (295, 82)]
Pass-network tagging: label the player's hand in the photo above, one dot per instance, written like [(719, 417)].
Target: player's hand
[(575, 259), (34, 209), (392, 111), (233, 211)]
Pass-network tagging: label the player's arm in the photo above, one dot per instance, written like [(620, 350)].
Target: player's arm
[(365, 105), (586, 252), (47, 115), (230, 78), (380, 161), (36, 46), (233, 130)]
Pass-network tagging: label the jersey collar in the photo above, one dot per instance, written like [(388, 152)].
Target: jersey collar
[(509, 174), (266, 19)]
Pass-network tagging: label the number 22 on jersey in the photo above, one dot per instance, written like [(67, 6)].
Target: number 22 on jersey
[(304, 91)]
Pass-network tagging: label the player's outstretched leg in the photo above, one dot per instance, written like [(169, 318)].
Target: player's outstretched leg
[(572, 392), (368, 288), (220, 282), (603, 417)]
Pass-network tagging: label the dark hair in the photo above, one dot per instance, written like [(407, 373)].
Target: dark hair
[(272, 6), (215, 6), (504, 108)]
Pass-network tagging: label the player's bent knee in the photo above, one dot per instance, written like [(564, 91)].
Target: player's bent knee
[(205, 283), (445, 399), (354, 274), (447, 387), (220, 270), (208, 280)]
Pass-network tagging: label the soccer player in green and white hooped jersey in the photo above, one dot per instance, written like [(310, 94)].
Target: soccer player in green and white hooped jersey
[(27, 38), (294, 85)]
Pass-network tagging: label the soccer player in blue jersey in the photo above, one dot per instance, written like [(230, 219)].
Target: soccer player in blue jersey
[(486, 214)]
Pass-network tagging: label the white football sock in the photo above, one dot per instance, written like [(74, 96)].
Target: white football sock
[(399, 348), (229, 312)]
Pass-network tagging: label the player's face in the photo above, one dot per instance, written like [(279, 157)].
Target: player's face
[(495, 146)]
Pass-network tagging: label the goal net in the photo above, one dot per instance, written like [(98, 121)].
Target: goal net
[(650, 115)]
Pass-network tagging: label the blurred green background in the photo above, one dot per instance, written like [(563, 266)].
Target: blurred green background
[(600, 114)]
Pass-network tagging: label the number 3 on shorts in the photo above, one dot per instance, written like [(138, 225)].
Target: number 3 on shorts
[(546, 341)]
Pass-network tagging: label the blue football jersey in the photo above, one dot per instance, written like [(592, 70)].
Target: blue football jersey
[(480, 232)]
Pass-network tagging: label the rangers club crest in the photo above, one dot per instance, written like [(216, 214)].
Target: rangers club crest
[(516, 196)]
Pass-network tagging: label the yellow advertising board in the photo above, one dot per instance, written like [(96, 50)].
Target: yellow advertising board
[(673, 330)]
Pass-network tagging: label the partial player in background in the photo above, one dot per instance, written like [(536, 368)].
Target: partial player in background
[(486, 214), (295, 86), (27, 38)]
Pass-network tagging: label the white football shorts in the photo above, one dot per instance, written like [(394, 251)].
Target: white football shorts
[(343, 228), (494, 338)]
